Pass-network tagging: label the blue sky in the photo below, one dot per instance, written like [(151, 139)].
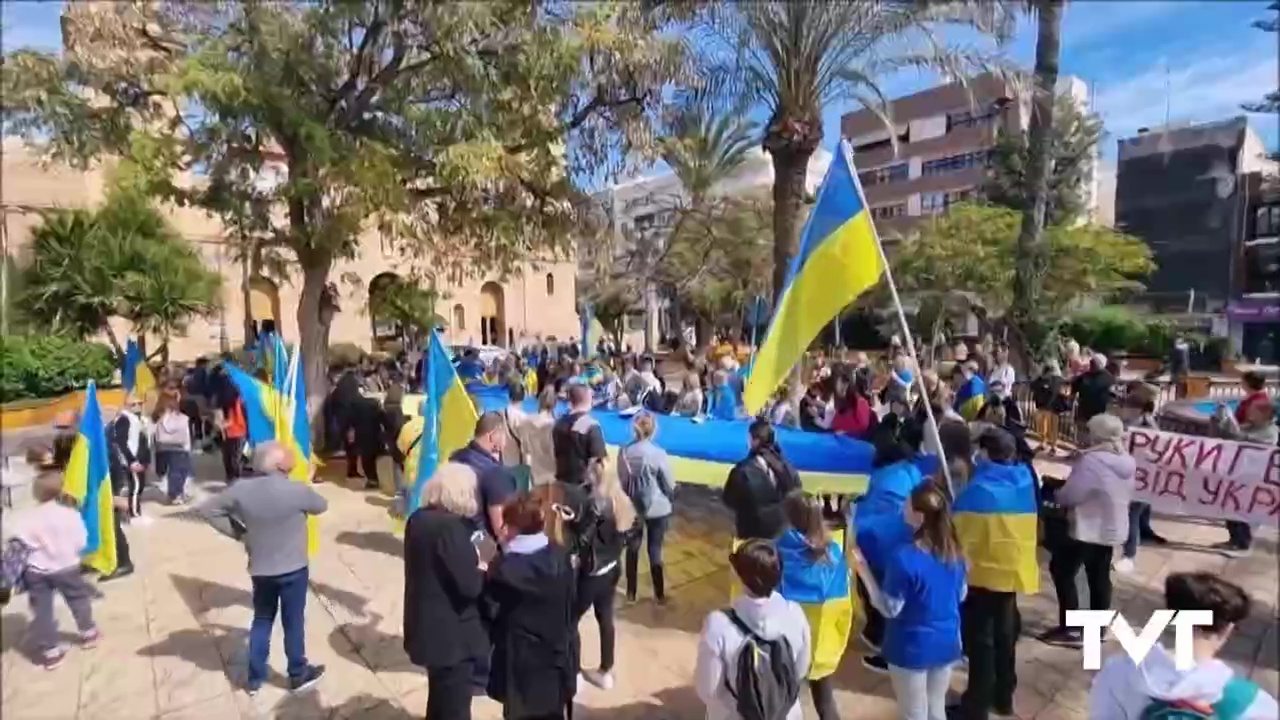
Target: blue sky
[(1130, 51)]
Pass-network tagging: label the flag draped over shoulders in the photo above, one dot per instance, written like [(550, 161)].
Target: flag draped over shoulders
[(970, 398), (822, 589), (996, 521), (88, 479), (839, 259)]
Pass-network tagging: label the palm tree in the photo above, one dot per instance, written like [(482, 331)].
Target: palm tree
[(794, 57), (1027, 280)]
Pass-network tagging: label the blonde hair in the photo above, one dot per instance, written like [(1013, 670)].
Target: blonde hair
[(609, 490), (804, 513), (452, 488), (644, 426)]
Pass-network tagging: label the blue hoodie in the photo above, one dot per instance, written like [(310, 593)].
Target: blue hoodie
[(806, 580), (877, 517)]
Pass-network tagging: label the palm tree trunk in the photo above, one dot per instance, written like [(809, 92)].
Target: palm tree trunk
[(1026, 287), (789, 169)]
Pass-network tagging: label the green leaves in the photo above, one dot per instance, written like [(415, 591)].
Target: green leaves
[(123, 260), (40, 366), (973, 247)]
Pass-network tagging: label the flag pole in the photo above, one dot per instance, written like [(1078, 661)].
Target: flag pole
[(909, 341)]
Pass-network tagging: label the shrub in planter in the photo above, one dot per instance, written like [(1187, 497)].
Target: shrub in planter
[(50, 365)]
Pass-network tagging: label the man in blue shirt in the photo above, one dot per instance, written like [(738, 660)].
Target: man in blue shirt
[(495, 484)]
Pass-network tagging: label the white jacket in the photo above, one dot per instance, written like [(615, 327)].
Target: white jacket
[(1122, 690), (721, 640)]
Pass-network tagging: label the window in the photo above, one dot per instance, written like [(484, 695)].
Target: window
[(459, 318), (888, 212), (1261, 267), (1266, 221), (896, 172), (937, 202), (645, 223), (551, 284), (969, 118), (956, 163), (903, 138)]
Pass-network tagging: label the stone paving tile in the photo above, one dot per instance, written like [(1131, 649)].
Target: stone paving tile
[(176, 632)]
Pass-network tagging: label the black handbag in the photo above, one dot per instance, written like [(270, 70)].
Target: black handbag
[(1055, 525)]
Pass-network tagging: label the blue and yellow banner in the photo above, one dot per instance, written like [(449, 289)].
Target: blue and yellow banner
[(136, 375), (839, 259), (970, 398), (88, 480)]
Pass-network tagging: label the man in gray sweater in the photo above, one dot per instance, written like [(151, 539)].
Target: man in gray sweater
[(269, 513)]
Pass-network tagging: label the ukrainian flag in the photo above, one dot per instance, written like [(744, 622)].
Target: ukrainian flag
[(971, 397), (821, 587), (271, 414), (88, 480), (136, 375), (449, 421), (995, 517), (839, 259)]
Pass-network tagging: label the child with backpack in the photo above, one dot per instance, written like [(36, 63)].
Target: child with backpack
[(1156, 689), (753, 656), (920, 596)]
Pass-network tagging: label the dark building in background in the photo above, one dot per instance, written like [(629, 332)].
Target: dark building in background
[(1179, 189), (1254, 310)]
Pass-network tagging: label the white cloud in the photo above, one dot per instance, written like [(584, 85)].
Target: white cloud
[(1212, 87)]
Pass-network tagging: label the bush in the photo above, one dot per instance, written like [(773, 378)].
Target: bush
[(1111, 330), (345, 354), (50, 365)]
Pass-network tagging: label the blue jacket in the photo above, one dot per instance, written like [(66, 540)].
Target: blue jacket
[(880, 527), (806, 580)]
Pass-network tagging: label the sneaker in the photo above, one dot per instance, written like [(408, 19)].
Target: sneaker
[(602, 680), (867, 641), (1062, 636), (89, 640), (875, 663), (308, 680), (252, 690), (122, 571), (51, 659), (1124, 565)]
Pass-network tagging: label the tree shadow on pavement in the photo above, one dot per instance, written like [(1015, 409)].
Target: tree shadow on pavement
[(310, 705), (374, 541), (676, 703), (201, 595)]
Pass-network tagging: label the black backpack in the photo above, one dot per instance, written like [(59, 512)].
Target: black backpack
[(766, 683)]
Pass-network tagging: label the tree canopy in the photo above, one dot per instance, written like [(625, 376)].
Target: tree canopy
[(1073, 146), (455, 130), (121, 260), (974, 247)]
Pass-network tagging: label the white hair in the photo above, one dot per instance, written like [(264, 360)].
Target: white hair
[(453, 488), (270, 457)]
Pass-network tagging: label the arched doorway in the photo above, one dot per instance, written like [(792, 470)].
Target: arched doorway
[(493, 325), (384, 324), (263, 311)]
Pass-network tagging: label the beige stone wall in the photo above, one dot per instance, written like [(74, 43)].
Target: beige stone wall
[(528, 305)]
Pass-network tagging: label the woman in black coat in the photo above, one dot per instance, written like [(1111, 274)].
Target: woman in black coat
[(757, 485), (529, 595), (443, 580)]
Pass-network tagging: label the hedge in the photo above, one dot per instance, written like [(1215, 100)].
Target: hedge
[(1117, 329), (43, 366)]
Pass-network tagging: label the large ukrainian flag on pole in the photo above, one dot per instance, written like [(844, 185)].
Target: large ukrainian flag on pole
[(449, 420), (280, 414), (136, 375), (838, 260), (88, 480)]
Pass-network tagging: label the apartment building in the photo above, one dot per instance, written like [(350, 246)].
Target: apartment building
[(639, 212), (944, 140)]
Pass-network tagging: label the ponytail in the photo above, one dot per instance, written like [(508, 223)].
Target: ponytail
[(804, 513), (937, 532)]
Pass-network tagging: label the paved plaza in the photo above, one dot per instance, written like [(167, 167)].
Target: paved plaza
[(175, 632)]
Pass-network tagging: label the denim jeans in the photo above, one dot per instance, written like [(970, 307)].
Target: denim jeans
[(1139, 527), (175, 466), (288, 593)]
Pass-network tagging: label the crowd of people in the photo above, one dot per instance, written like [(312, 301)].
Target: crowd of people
[(527, 528)]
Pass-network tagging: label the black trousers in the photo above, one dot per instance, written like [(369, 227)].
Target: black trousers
[(654, 530), (123, 558), (824, 698), (1065, 564), (449, 692), (989, 627), (599, 592), (873, 630), (232, 458)]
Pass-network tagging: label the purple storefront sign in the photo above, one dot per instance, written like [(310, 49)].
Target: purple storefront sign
[(1257, 311)]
